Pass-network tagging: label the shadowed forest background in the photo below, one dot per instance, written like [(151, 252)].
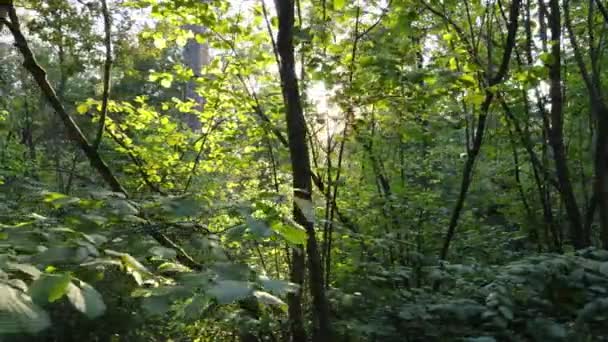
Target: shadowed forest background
[(303, 170)]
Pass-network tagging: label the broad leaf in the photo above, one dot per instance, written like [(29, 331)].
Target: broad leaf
[(163, 252), (49, 287), (228, 291), (86, 300), (197, 307), (18, 314), (267, 298), (291, 232), (277, 286)]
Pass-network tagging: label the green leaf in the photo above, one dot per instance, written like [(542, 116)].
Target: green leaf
[(228, 291), (18, 314), (181, 40), (468, 80), (453, 65), (291, 231), (506, 312), (200, 39), (82, 108), (197, 307), (231, 271), (268, 299), (132, 266), (475, 98), (24, 268), (547, 58), (182, 206), (86, 300), (603, 268), (59, 199), (165, 82), (57, 255), (258, 228), (339, 4), (171, 267), (49, 287), (163, 252), (277, 286), (159, 42), (156, 305), (481, 339)]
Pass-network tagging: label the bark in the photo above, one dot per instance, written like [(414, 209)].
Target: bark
[(294, 300), (302, 174), (556, 138), (544, 189), (601, 173)]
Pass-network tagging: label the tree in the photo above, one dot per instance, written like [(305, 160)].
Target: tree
[(302, 182)]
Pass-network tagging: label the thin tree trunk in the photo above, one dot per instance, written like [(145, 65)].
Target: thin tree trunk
[(556, 138), (533, 233), (297, 271), (302, 180), (538, 168), (107, 70), (599, 114), (601, 173), (472, 154)]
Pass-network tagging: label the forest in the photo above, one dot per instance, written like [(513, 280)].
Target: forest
[(303, 170)]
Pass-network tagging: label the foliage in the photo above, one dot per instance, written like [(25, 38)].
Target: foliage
[(457, 173)]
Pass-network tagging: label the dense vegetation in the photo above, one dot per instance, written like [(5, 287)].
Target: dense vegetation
[(369, 170)]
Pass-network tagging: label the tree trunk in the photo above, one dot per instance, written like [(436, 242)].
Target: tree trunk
[(599, 114), (300, 163), (601, 174), (195, 56), (467, 174), (556, 138)]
